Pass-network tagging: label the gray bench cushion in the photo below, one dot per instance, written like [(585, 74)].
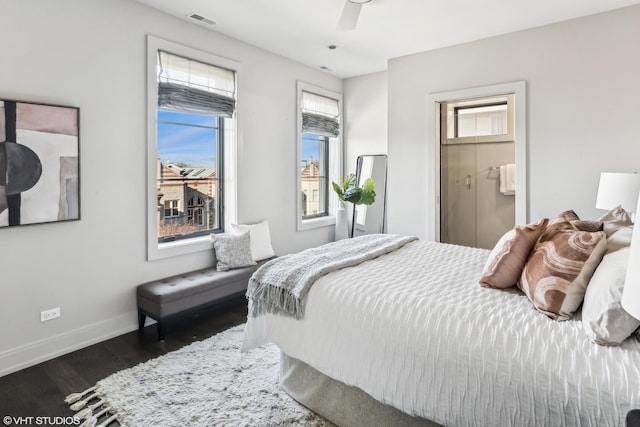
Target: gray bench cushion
[(175, 294)]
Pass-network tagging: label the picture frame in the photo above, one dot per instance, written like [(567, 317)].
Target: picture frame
[(39, 163)]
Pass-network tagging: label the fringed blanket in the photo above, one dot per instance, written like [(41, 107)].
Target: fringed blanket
[(279, 286)]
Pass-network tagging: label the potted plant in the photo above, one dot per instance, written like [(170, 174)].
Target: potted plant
[(349, 191)]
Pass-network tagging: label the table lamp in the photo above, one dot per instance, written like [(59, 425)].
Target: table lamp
[(617, 189)]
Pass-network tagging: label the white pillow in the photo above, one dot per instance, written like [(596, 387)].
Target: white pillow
[(603, 318), (260, 239), (621, 238)]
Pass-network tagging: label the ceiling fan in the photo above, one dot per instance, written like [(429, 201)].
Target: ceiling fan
[(350, 14)]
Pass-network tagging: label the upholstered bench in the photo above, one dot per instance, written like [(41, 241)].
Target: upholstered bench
[(168, 297)]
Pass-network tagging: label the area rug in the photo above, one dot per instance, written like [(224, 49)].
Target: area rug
[(207, 383)]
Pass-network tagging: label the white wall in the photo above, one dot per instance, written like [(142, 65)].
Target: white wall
[(91, 54), (365, 112), (365, 105), (582, 112)]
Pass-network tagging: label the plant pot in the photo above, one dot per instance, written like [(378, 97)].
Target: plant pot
[(342, 222)]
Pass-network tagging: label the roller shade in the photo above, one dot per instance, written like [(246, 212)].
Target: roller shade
[(186, 84), (320, 115)]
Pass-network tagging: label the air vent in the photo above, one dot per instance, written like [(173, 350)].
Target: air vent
[(200, 19)]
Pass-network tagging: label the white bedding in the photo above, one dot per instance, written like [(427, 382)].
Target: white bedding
[(415, 330)]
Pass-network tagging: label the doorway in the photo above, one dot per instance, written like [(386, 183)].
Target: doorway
[(433, 123), (477, 170)]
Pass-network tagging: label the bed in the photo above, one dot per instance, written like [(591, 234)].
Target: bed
[(411, 338)]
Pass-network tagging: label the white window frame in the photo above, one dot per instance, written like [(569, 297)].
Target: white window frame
[(335, 160), (162, 250)]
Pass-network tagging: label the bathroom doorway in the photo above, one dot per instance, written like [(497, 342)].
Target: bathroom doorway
[(477, 153)]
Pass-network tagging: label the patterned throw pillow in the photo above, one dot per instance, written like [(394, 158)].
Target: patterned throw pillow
[(558, 270), (232, 250), (564, 220), (587, 225), (506, 261)]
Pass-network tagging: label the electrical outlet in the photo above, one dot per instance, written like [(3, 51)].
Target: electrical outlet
[(49, 314)]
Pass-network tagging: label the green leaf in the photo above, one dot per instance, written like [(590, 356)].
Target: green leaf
[(369, 185), (368, 195), (353, 194), (338, 191), (348, 190), (367, 198), (350, 181)]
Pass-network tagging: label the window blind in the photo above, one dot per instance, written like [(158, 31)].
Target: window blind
[(186, 84), (320, 115)]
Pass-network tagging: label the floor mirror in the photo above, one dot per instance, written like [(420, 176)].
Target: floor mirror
[(371, 219)]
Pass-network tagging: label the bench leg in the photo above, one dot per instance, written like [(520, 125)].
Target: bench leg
[(141, 319), (161, 330)]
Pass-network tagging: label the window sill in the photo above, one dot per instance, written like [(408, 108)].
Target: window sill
[(309, 224), (180, 247)]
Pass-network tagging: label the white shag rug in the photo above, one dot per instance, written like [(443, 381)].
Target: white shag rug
[(207, 383)]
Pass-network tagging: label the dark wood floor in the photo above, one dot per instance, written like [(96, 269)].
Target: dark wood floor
[(39, 391)]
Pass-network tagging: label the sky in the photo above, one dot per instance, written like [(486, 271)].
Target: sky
[(310, 147), (187, 144), (192, 144)]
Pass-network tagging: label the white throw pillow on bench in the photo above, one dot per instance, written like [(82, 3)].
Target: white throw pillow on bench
[(260, 239)]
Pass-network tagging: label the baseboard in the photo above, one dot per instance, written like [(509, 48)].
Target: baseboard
[(39, 351)]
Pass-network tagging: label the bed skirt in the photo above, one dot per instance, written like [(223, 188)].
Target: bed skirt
[(337, 402)]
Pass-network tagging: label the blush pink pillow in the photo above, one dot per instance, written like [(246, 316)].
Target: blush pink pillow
[(508, 258)]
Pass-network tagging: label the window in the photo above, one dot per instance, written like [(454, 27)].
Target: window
[(319, 160), (489, 119), (314, 175), (193, 98), (191, 103), (171, 208), (196, 211), (189, 147), (481, 120)]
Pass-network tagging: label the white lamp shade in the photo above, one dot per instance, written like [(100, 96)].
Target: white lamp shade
[(631, 291), (618, 189)]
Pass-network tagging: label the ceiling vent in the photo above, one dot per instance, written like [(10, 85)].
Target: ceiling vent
[(201, 19)]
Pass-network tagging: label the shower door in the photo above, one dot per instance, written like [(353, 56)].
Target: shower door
[(476, 140)]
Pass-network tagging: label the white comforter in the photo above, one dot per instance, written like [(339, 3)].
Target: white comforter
[(415, 330)]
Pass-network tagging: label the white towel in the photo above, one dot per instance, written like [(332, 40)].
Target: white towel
[(508, 179)]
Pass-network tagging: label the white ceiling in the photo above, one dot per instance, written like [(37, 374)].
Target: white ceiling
[(302, 29)]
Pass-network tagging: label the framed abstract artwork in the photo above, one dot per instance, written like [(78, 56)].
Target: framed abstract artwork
[(39, 163)]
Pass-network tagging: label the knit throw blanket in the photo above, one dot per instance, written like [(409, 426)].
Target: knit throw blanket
[(280, 285)]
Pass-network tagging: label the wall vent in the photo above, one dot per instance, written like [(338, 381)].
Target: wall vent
[(200, 19)]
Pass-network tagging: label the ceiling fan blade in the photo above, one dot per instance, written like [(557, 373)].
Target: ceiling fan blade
[(349, 17)]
